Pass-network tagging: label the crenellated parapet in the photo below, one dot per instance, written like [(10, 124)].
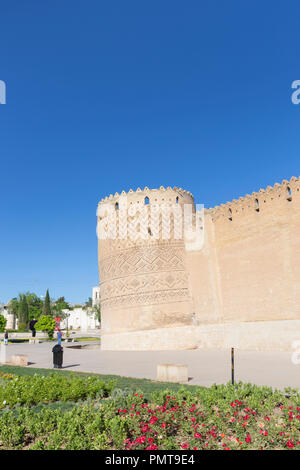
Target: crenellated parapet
[(152, 196), (148, 216), (258, 202), (159, 277)]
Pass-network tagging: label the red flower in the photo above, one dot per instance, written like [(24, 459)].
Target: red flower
[(185, 445), (289, 444), (153, 420), (248, 439), (197, 435)]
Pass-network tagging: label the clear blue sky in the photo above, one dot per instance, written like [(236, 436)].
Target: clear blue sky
[(105, 96)]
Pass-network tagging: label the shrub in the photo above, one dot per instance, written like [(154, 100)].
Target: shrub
[(46, 323), (2, 323), (223, 417), (29, 390), (22, 327)]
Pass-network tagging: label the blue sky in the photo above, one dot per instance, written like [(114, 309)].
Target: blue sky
[(106, 96)]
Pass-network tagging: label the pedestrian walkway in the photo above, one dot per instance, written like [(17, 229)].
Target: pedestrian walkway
[(275, 369)]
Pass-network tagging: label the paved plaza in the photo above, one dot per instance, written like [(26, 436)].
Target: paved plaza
[(204, 367)]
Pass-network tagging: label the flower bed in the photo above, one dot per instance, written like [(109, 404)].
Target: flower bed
[(222, 417), (180, 424)]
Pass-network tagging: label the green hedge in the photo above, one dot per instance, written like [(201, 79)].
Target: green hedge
[(31, 390), (239, 417)]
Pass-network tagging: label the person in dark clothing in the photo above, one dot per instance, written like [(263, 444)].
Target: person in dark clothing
[(5, 337), (31, 326)]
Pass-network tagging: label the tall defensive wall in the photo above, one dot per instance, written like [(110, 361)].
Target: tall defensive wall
[(240, 288)]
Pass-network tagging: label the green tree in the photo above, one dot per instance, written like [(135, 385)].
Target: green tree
[(47, 304), (97, 311), (22, 312), (62, 302), (13, 306), (58, 308), (59, 305), (46, 323), (2, 323), (93, 310), (35, 305), (89, 303)]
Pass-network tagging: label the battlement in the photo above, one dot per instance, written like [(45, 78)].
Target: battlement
[(239, 269), (152, 196), (258, 201)]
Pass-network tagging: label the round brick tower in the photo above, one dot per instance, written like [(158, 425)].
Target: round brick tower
[(142, 265)]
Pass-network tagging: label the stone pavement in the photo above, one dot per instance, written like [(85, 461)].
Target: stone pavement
[(204, 367)]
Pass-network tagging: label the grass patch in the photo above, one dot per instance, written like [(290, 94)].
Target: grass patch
[(146, 385), (87, 339)]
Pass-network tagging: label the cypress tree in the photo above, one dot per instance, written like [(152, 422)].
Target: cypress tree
[(46, 306), (23, 311)]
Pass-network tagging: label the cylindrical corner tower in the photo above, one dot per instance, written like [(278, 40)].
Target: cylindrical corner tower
[(143, 276)]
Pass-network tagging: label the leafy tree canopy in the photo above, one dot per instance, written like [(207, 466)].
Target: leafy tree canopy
[(36, 307), (89, 303), (2, 323), (46, 323)]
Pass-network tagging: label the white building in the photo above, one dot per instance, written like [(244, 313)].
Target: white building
[(83, 318), (11, 321), (80, 318), (96, 295)]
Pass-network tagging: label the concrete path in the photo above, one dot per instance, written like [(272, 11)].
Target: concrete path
[(205, 367)]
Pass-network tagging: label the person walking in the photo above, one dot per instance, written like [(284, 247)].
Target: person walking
[(5, 337), (59, 336), (32, 327)]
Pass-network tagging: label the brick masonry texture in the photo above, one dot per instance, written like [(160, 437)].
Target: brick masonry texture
[(241, 287)]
